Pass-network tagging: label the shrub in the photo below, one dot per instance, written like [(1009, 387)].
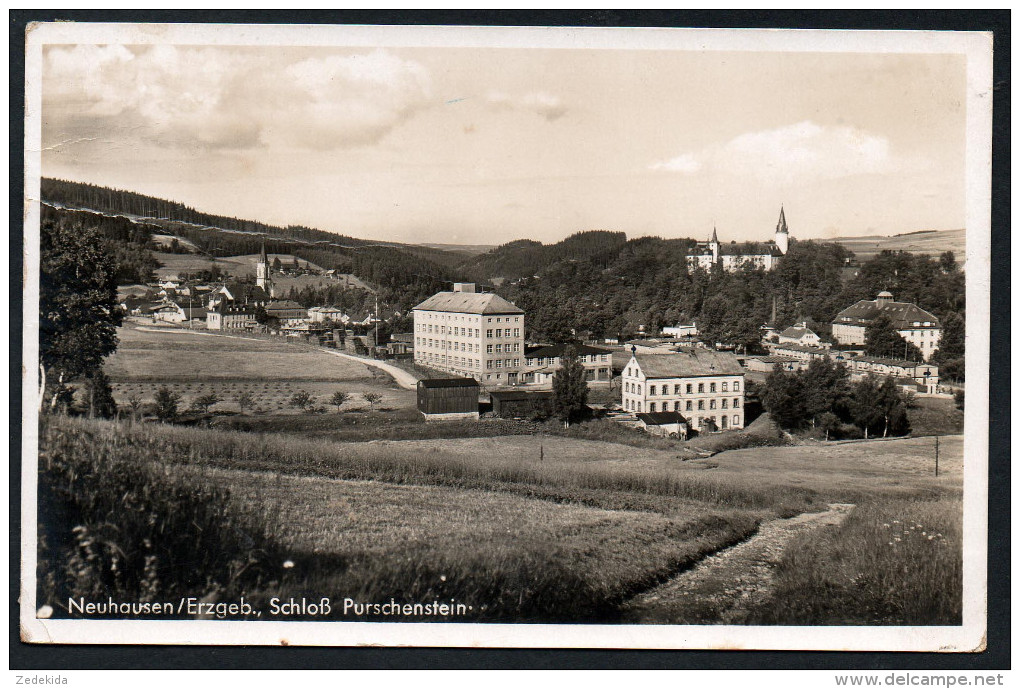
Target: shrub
[(166, 404), (301, 399)]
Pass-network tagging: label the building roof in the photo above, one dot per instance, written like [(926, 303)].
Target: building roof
[(777, 359), (521, 395), (448, 383), (902, 363), (230, 308), (689, 364), (468, 302), (661, 418), (196, 312), (792, 347), (797, 333), (556, 350), (284, 305), (902, 314)]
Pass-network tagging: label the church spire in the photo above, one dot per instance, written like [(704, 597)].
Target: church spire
[(781, 225), (715, 237)]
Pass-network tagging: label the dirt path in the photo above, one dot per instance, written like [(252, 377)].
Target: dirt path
[(722, 588)]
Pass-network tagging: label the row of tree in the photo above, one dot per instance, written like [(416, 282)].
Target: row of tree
[(823, 396)]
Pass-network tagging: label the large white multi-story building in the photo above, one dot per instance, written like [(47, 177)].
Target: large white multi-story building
[(469, 333), (702, 384), (734, 257), (914, 324)]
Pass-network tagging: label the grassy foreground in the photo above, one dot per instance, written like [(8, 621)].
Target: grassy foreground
[(151, 512)]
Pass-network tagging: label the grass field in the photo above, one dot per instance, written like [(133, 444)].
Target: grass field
[(564, 534), (195, 364)]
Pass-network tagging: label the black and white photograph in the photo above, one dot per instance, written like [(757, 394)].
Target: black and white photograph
[(506, 337)]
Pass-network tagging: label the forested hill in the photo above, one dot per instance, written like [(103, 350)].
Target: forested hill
[(526, 257), (128, 203)]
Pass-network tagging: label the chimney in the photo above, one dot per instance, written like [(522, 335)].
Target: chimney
[(883, 298), (464, 287)]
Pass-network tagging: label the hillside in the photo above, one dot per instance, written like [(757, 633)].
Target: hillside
[(931, 242)]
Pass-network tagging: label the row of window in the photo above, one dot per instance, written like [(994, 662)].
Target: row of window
[(726, 421), (466, 362), (689, 388), (553, 360), (455, 317), (458, 331), (688, 405)]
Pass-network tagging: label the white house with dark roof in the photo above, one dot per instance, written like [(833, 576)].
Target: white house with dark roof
[(799, 334), (542, 362), (703, 384), (914, 324), (470, 334)]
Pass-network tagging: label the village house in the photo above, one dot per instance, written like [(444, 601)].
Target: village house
[(704, 385), (799, 334), (804, 353), (470, 334), (735, 256), (911, 375), (522, 404), (170, 312), (914, 324), (541, 363), (321, 314), (287, 313), (229, 316), (681, 331)]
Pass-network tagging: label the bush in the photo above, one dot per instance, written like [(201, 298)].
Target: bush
[(116, 524), (166, 404)]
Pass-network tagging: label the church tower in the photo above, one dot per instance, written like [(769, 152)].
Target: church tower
[(713, 246), (263, 277), (782, 233)]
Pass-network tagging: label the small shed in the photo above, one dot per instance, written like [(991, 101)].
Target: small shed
[(448, 398), (666, 423), (510, 404)]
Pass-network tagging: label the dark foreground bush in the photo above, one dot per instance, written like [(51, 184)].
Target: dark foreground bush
[(113, 523)]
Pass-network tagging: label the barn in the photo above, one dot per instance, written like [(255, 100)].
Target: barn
[(666, 423), (448, 398), (510, 404)]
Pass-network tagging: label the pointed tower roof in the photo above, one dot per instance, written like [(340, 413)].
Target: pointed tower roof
[(781, 225), (715, 237)]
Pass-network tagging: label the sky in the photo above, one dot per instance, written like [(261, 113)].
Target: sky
[(484, 146)]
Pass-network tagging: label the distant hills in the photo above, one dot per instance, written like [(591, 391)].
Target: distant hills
[(932, 242)]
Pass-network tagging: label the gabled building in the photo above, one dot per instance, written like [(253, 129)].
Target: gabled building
[(229, 316), (288, 313), (914, 324), (470, 334), (799, 334), (704, 385)]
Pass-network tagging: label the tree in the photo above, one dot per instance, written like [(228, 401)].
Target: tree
[(782, 398), (882, 339), (950, 354), (570, 390), (135, 403), (893, 407), (864, 410), (828, 422), (958, 398), (338, 399), (825, 388), (204, 402), (372, 398), (301, 399), (277, 265), (166, 404), (244, 400), (98, 395), (78, 311)]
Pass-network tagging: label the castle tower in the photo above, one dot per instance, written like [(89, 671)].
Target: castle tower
[(782, 233), (713, 245), (263, 277)]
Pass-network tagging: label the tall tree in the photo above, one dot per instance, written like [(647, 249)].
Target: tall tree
[(570, 390), (824, 388), (782, 397), (98, 396), (864, 407), (882, 339), (78, 313)]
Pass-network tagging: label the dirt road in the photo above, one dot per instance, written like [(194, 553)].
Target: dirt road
[(722, 588)]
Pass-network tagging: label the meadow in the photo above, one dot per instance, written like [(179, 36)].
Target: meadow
[(525, 528), (197, 363)]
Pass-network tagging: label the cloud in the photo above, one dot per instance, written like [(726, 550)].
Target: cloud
[(230, 98), (793, 153), (686, 163), (544, 104)]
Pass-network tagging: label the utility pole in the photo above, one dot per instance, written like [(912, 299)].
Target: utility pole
[(377, 320), (936, 455)]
